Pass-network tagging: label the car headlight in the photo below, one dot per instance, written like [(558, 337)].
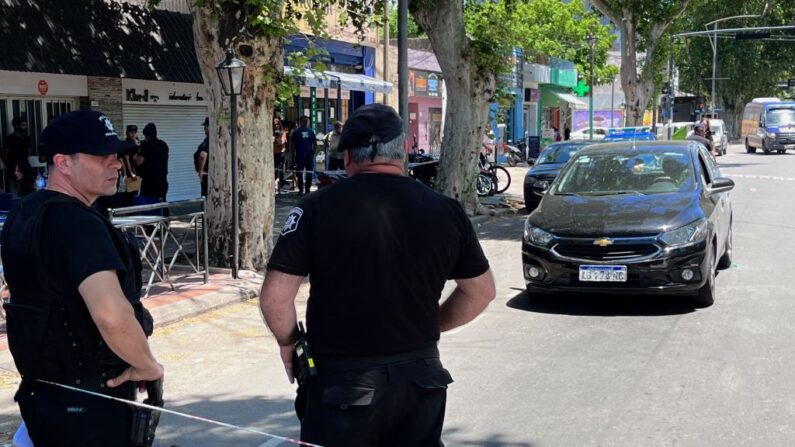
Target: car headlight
[(688, 234), (536, 236), (771, 135)]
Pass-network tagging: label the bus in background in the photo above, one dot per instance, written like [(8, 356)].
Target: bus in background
[(769, 124)]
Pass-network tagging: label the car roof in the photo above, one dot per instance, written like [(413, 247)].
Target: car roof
[(570, 143), (627, 146)]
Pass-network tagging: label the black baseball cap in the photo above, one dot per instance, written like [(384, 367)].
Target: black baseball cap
[(370, 124), (206, 121), (83, 131), (132, 128)]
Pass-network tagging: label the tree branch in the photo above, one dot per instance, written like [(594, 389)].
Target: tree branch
[(604, 8)]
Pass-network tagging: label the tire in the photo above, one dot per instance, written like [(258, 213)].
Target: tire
[(782, 151), (749, 149), (511, 160), (706, 294), (725, 261), (502, 178), (764, 148), (483, 185)]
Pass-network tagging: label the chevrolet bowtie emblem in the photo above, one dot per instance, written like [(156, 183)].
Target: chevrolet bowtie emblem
[(603, 242)]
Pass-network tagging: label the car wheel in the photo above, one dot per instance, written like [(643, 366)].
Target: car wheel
[(726, 260), (748, 147), (764, 148), (781, 151), (706, 294)]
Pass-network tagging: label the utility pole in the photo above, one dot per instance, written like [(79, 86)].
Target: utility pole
[(386, 48), (670, 103), (714, 40), (591, 42), (403, 62)]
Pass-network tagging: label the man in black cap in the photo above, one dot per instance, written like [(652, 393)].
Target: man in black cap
[(201, 158), (75, 315), (699, 134), (373, 315), (152, 162)]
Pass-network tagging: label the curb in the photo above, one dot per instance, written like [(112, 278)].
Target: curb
[(483, 218), (184, 309)]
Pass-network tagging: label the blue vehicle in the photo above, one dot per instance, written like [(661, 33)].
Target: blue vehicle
[(629, 134), (769, 124)]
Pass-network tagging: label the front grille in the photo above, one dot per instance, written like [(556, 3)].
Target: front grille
[(786, 138), (615, 252)]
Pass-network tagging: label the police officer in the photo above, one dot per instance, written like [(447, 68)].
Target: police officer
[(373, 315), (75, 316)]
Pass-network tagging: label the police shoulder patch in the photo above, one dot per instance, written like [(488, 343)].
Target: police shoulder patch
[(291, 223)]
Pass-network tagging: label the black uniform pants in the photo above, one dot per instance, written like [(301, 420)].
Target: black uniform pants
[(57, 417), (394, 405)]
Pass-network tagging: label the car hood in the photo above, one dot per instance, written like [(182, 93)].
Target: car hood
[(545, 171), (624, 215)]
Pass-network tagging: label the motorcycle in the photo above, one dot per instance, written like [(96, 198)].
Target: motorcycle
[(421, 166), (515, 154)]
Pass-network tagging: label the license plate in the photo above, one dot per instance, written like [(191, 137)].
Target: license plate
[(789, 146), (603, 273)]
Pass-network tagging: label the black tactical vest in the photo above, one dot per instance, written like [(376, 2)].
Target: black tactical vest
[(50, 332)]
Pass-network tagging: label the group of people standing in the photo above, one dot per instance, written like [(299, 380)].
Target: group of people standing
[(295, 148), (19, 174)]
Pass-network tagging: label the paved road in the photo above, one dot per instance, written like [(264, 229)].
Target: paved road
[(573, 371)]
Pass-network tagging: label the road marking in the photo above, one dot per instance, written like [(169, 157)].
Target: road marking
[(763, 177)]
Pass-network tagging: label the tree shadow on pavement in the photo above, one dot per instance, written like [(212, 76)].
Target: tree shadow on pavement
[(275, 416), (504, 228), (458, 436), (600, 305)]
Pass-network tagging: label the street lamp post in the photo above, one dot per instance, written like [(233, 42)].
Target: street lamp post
[(714, 42), (230, 72)]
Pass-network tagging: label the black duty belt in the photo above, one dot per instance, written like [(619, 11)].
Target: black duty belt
[(335, 365)]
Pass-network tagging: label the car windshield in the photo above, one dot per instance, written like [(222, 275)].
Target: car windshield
[(781, 117), (558, 153), (631, 172)]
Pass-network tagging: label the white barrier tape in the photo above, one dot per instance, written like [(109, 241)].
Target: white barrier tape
[(174, 412)]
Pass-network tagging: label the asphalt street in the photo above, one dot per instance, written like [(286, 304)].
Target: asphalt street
[(566, 371)]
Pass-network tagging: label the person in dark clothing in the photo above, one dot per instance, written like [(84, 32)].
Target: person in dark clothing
[(566, 133), (25, 177), (373, 314), (16, 147), (279, 140), (304, 140), (152, 162), (75, 315), (201, 158)]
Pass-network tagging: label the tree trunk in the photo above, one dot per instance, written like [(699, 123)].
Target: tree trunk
[(254, 142), (469, 91), (637, 90)]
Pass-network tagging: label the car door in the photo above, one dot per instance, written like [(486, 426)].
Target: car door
[(720, 216)]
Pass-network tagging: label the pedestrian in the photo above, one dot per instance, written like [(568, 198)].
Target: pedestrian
[(127, 170), (303, 140), (152, 162), (25, 178), (373, 315), (201, 158), (556, 134), (708, 136), (75, 315), (16, 147), (566, 133), (699, 135), (332, 140), (279, 143)]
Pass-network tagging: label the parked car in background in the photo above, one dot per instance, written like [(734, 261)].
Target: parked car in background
[(633, 217), (585, 134), (629, 134), (547, 167)]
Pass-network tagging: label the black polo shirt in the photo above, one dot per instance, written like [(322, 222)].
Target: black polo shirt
[(378, 249)]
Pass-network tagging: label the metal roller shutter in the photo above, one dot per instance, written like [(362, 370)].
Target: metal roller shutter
[(181, 128)]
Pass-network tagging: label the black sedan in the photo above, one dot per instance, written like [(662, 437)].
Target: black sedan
[(643, 217), (547, 167)]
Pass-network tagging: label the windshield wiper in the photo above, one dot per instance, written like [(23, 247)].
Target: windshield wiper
[(614, 193)]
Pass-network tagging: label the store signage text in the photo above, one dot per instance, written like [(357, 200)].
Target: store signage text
[(132, 95)]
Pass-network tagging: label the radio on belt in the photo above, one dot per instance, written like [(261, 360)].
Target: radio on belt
[(303, 363)]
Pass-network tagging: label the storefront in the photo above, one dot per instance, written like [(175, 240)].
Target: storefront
[(39, 98), (178, 110), (557, 104), (426, 99)]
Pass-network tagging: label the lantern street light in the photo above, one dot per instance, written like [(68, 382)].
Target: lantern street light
[(230, 72)]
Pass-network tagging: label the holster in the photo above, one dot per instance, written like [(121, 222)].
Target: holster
[(145, 420)]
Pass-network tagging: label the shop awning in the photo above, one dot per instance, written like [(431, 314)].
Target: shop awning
[(349, 81), (571, 99)]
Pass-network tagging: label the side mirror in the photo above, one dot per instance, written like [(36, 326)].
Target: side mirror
[(720, 184), (540, 188), (761, 123)]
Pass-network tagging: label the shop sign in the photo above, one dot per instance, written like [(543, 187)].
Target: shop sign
[(424, 83), (43, 87), (537, 73), (153, 92)]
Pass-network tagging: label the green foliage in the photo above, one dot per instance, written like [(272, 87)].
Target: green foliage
[(752, 66), (414, 28), (557, 29)]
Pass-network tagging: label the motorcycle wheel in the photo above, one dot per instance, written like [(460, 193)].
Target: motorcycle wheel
[(484, 185), (512, 160)]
